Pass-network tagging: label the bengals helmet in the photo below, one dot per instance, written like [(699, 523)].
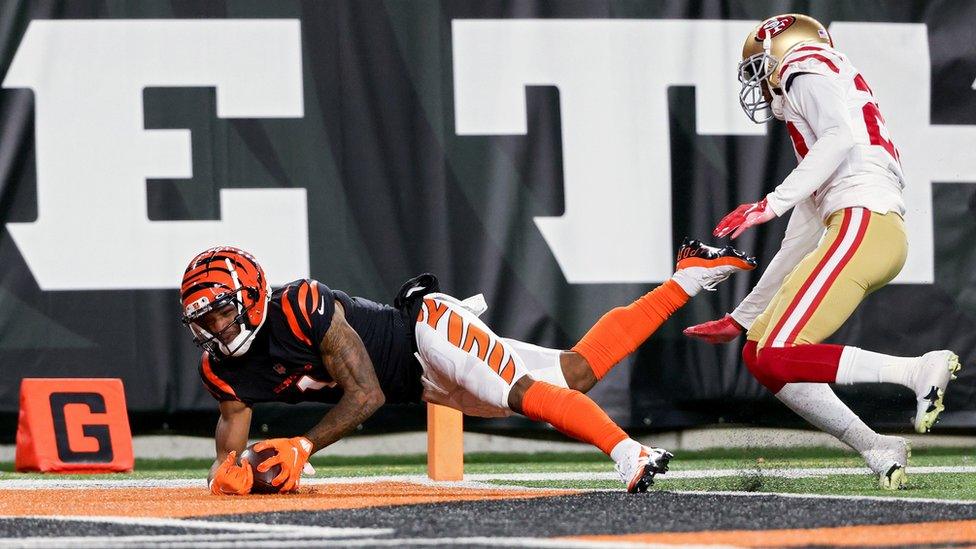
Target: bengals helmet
[(765, 48), (219, 277)]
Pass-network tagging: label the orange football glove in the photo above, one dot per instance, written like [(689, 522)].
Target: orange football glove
[(231, 479), (292, 454)]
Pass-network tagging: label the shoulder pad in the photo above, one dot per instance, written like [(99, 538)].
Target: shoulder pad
[(814, 59)]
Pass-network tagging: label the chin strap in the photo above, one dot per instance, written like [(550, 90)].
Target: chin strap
[(242, 342)]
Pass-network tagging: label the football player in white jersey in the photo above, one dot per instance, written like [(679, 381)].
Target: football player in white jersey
[(845, 238)]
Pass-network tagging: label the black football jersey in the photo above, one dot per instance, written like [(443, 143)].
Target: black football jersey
[(284, 364)]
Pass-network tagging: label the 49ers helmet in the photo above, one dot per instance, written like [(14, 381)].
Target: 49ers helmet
[(222, 276), (763, 52)]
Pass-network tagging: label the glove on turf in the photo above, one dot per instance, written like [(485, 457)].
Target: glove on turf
[(232, 479)]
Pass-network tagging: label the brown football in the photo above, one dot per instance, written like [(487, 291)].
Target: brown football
[(262, 481)]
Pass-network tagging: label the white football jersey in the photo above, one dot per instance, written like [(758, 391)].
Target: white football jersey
[(846, 156)]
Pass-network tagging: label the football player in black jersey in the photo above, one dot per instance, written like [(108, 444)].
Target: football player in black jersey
[(307, 342)]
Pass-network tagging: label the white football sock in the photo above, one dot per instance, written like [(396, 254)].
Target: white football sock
[(859, 436), (623, 449), (860, 366), (688, 282), (817, 403)]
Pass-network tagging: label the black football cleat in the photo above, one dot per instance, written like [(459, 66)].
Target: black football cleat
[(695, 253), (703, 267)]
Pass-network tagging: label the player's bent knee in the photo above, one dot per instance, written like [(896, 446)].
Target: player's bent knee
[(517, 393), (764, 367), (772, 363), (577, 371)]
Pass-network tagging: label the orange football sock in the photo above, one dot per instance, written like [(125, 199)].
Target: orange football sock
[(622, 330), (573, 414)]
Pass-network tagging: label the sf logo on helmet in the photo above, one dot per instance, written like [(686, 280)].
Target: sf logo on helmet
[(774, 26)]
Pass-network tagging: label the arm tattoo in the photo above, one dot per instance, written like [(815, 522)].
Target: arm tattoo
[(349, 365)]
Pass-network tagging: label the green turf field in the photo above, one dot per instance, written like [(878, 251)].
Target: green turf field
[(755, 463)]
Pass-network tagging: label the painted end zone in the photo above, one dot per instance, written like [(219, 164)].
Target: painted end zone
[(191, 502)]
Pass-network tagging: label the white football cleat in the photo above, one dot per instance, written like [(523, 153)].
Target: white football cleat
[(889, 460), (637, 469), (937, 368)]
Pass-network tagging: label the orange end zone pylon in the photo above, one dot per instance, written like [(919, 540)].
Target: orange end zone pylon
[(445, 443), (73, 425)]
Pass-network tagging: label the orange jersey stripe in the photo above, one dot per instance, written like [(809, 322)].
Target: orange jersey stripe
[(213, 379), (435, 311), (496, 356), (454, 329), (302, 296), (508, 372), (315, 295), (292, 319), (477, 335)]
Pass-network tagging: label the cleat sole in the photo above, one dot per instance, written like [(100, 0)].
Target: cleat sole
[(646, 479), (895, 479), (935, 398), (954, 366)]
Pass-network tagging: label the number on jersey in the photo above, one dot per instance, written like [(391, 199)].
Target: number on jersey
[(311, 384), (877, 130)]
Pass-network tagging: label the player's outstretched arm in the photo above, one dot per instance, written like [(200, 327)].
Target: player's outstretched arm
[(348, 363), (820, 101), (803, 232), (226, 476)]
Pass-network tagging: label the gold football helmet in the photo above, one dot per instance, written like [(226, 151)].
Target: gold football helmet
[(764, 50)]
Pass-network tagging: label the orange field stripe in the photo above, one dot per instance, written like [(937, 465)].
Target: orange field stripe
[(923, 533), (184, 502)]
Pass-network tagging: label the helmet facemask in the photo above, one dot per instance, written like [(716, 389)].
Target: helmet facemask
[(763, 54), (243, 299), (754, 97)]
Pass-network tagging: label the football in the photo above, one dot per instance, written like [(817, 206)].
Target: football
[(262, 481)]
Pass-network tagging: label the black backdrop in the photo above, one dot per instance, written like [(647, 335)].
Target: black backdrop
[(393, 190)]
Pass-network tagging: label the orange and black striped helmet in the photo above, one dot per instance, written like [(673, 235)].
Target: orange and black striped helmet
[(221, 276)]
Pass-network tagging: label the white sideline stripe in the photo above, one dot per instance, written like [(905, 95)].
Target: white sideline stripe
[(238, 539), (476, 480), (254, 527), (504, 542), (857, 215), (214, 542)]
